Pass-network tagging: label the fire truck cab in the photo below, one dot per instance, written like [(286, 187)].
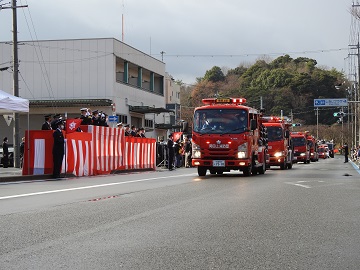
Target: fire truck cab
[(279, 143), (227, 135), (301, 147), (313, 145)]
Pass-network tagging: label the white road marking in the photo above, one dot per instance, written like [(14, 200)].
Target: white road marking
[(297, 184), (88, 187)]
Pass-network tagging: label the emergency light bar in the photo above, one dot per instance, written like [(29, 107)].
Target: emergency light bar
[(276, 119), (210, 101)]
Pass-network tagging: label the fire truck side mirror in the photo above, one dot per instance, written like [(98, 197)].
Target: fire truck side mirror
[(287, 134), (253, 124), (185, 126)]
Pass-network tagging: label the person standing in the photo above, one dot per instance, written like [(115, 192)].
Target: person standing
[(85, 117), (142, 132), (346, 152), (58, 148), (5, 153), (170, 146), (22, 150), (187, 153), (133, 131), (127, 130), (56, 117), (47, 124)]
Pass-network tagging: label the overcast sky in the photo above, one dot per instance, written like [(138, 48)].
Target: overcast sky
[(196, 34)]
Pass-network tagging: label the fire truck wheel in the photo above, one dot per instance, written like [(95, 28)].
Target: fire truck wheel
[(201, 171), (283, 166), (289, 165), (247, 171), (262, 169)]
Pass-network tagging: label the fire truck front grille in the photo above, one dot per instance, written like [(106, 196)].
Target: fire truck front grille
[(219, 154)]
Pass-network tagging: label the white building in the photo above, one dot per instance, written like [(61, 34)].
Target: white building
[(63, 76)]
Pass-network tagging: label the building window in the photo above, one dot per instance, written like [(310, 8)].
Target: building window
[(149, 123), (122, 118)]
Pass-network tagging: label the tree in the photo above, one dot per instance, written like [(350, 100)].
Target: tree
[(214, 75), (283, 84)]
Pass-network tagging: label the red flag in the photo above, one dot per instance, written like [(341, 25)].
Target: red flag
[(177, 136), (72, 125)]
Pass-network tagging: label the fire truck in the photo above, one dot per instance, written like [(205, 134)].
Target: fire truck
[(301, 147), (227, 135), (279, 143), (313, 145)]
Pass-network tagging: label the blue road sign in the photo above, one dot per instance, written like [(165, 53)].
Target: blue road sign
[(113, 118), (333, 102)]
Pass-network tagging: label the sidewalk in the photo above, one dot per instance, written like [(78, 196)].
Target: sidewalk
[(12, 174)]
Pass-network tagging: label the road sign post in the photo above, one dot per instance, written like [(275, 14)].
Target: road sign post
[(113, 119)]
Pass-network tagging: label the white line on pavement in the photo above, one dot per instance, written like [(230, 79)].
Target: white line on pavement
[(88, 187), (297, 184)]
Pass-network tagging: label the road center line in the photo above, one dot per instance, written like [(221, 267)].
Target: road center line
[(88, 187), (297, 184)]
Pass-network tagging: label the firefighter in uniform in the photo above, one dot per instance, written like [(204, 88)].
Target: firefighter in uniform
[(58, 148), (47, 124)]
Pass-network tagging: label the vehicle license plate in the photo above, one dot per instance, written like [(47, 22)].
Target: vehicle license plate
[(219, 146), (219, 163)]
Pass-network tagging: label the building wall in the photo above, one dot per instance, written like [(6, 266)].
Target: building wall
[(83, 69), (62, 69)]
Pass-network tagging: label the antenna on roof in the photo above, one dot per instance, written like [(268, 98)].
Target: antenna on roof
[(122, 23)]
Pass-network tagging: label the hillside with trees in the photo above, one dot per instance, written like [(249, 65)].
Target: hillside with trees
[(284, 84)]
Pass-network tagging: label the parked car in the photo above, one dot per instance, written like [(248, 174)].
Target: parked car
[(11, 155)]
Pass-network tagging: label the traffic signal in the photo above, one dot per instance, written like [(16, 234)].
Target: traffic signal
[(339, 114), (296, 125)]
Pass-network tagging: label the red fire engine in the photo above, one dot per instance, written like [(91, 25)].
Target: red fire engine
[(227, 135), (279, 145), (301, 147), (313, 145)]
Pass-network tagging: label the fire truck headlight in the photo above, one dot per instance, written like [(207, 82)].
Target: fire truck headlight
[(242, 150), (196, 153), (279, 154), (303, 154), (312, 154)]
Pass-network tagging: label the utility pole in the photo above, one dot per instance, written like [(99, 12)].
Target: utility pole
[(357, 46), (15, 82), (162, 56), (317, 123)]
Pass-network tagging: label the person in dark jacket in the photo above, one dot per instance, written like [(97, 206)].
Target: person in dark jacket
[(47, 124), (170, 145), (56, 117), (346, 152), (133, 131), (5, 153), (58, 148), (86, 118)]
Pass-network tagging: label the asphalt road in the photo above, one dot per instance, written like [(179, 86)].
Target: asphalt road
[(303, 218)]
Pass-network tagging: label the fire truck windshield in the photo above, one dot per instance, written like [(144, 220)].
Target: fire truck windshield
[(274, 134), (220, 121), (297, 141)]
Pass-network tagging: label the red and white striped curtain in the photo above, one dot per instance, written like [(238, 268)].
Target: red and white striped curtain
[(98, 150)]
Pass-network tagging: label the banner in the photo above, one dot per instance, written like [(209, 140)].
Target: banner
[(100, 150)]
